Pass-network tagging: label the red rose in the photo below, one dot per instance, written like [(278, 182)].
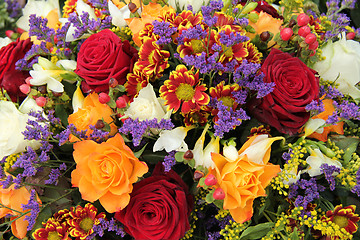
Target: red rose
[(10, 78), (104, 56), (296, 86), (159, 207)]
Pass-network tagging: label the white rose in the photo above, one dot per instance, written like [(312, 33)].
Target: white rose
[(147, 106), (342, 64), (183, 4), (13, 123)]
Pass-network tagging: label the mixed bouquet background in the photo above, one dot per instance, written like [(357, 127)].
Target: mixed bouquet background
[(179, 119)]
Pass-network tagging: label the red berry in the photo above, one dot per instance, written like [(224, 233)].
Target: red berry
[(303, 19), (9, 33), (304, 31), (113, 82), (56, 40), (27, 80), (210, 180), (310, 38), (104, 98), (286, 34), (350, 35), (314, 45), (24, 88), (121, 102), (219, 194), (40, 101)]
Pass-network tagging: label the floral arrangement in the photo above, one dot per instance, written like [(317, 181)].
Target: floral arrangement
[(169, 120)]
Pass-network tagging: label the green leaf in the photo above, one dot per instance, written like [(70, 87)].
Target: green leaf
[(349, 151), (209, 197), (61, 113), (202, 182), (43, 216), (191, 163), (179, 156), (294, 235), (257, 232), (69, 76), (138, 153)]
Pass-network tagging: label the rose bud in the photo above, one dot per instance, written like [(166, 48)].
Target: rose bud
[(197, 175), (264, 36), (24, 88), (210, 180), (104, 98), (132, 7), (40, 101), (219, 194), (113, 82), (99, 124), (188, 155)]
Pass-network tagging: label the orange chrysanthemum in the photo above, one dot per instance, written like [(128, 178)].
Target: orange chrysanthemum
[(52, 229), (187, 19), (135, 82), (344, 217), (223, 93), (197, 117), (237, 51), (254, 55), (152, 59), (183, 89), (82, 220), (70, 7)]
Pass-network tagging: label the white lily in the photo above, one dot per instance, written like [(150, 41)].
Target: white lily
[(314, 125), (29, 104), (171, 140), (4, 42), (259, 147), (292, 176), (78, 99), (230, 152), (118, 15), (40, 8), (46, 72), (202, 156), (316, 159)]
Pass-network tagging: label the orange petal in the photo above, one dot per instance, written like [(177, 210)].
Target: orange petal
[(242, 215), (113, 203)]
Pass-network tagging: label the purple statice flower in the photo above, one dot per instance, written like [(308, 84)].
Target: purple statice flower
[(333, 118), (114, 227), (17, 181), (240, 96), (164, 30), (98, 135), (195, 32), (7, 181), (62, 167), (64, 135), (100, 4), (213, 236), (31, 57), (39, 28), (330, 92), (99, 229), (332, 6), (330, 172), (13, 8), (228, 119), (53, 176), (348, 110), (246, 71), (34, 208), (169, 161), (350, 4), (310, 191), (2, 172), (356, 188), (137, 129), (243, 22), (231, 39), (315, 106), (189, 8), (287, 155)]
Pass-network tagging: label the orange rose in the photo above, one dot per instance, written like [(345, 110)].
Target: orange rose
[(245, 178), (12, 199), (106, 172), (89, 114)]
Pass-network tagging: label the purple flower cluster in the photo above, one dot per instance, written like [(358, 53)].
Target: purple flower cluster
[(39, 28), (169, 161), (138, 129), (356, 188), (13, 8), (34, 208), (345, 110), (330, 172), (228, 119), (311, 191), (164, 30), (316, 107), (104, 226)]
